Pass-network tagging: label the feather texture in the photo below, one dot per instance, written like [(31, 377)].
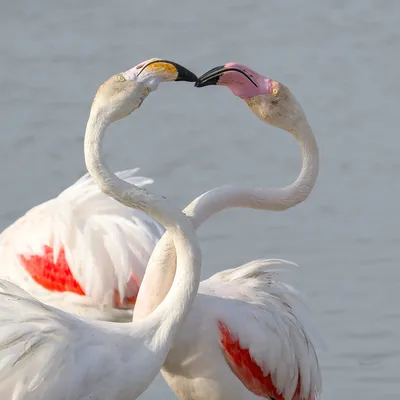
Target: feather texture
[(106, 246), (263, 315), (48, 354)]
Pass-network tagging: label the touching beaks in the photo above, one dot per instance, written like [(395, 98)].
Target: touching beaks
[(169, 70), (213, 76), (210, 77)]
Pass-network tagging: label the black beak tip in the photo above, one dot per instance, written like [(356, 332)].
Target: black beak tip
[(211, 77), (191, 77), (204, 81), (184, 74)]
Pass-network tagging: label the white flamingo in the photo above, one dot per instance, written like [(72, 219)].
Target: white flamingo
[(246, 303), (48, 354), (243, 337)]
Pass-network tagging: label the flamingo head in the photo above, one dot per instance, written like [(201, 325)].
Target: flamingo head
[(269, 100), (124, 93)]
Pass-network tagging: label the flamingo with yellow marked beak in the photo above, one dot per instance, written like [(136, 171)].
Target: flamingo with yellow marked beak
[(48, 354)]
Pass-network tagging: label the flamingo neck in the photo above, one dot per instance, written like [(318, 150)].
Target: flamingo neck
[(224, 197), (275, 199), (164, 321)]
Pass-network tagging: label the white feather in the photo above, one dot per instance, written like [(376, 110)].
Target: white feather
[(48, 354), (259, 310), (104, 241)]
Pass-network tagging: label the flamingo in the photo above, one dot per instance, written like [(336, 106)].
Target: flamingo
[(46, 353), (243, 337), (245, 311)]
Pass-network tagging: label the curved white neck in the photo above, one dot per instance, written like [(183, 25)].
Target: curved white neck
[(167, 317), (276, 199), (224, 197)]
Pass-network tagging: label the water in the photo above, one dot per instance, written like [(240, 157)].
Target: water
[(340, 58)]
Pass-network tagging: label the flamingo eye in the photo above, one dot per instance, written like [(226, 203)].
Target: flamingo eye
[(274, 88)]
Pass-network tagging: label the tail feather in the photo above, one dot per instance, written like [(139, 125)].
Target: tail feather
[(257, 269), (258, 282)]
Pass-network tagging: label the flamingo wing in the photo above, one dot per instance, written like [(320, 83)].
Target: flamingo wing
[(261, 335), (46, 353), (81, 242)]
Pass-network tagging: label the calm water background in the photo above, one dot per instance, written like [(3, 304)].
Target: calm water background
[(340, 58)]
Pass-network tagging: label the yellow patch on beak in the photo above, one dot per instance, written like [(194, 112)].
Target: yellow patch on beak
[(168, 70)]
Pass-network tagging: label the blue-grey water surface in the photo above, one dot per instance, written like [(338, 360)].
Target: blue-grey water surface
[(339, 58)]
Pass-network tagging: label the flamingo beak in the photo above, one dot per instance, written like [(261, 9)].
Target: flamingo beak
[(210, 77), (171, 71)]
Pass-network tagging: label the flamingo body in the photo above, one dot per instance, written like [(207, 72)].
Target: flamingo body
[(220, 341), (49, 354), (244, 339), (82, 251), (235, 338)]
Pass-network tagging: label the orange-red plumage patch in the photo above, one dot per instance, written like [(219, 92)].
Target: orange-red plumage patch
[(247, 370), (52, 275), (56, 276)]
